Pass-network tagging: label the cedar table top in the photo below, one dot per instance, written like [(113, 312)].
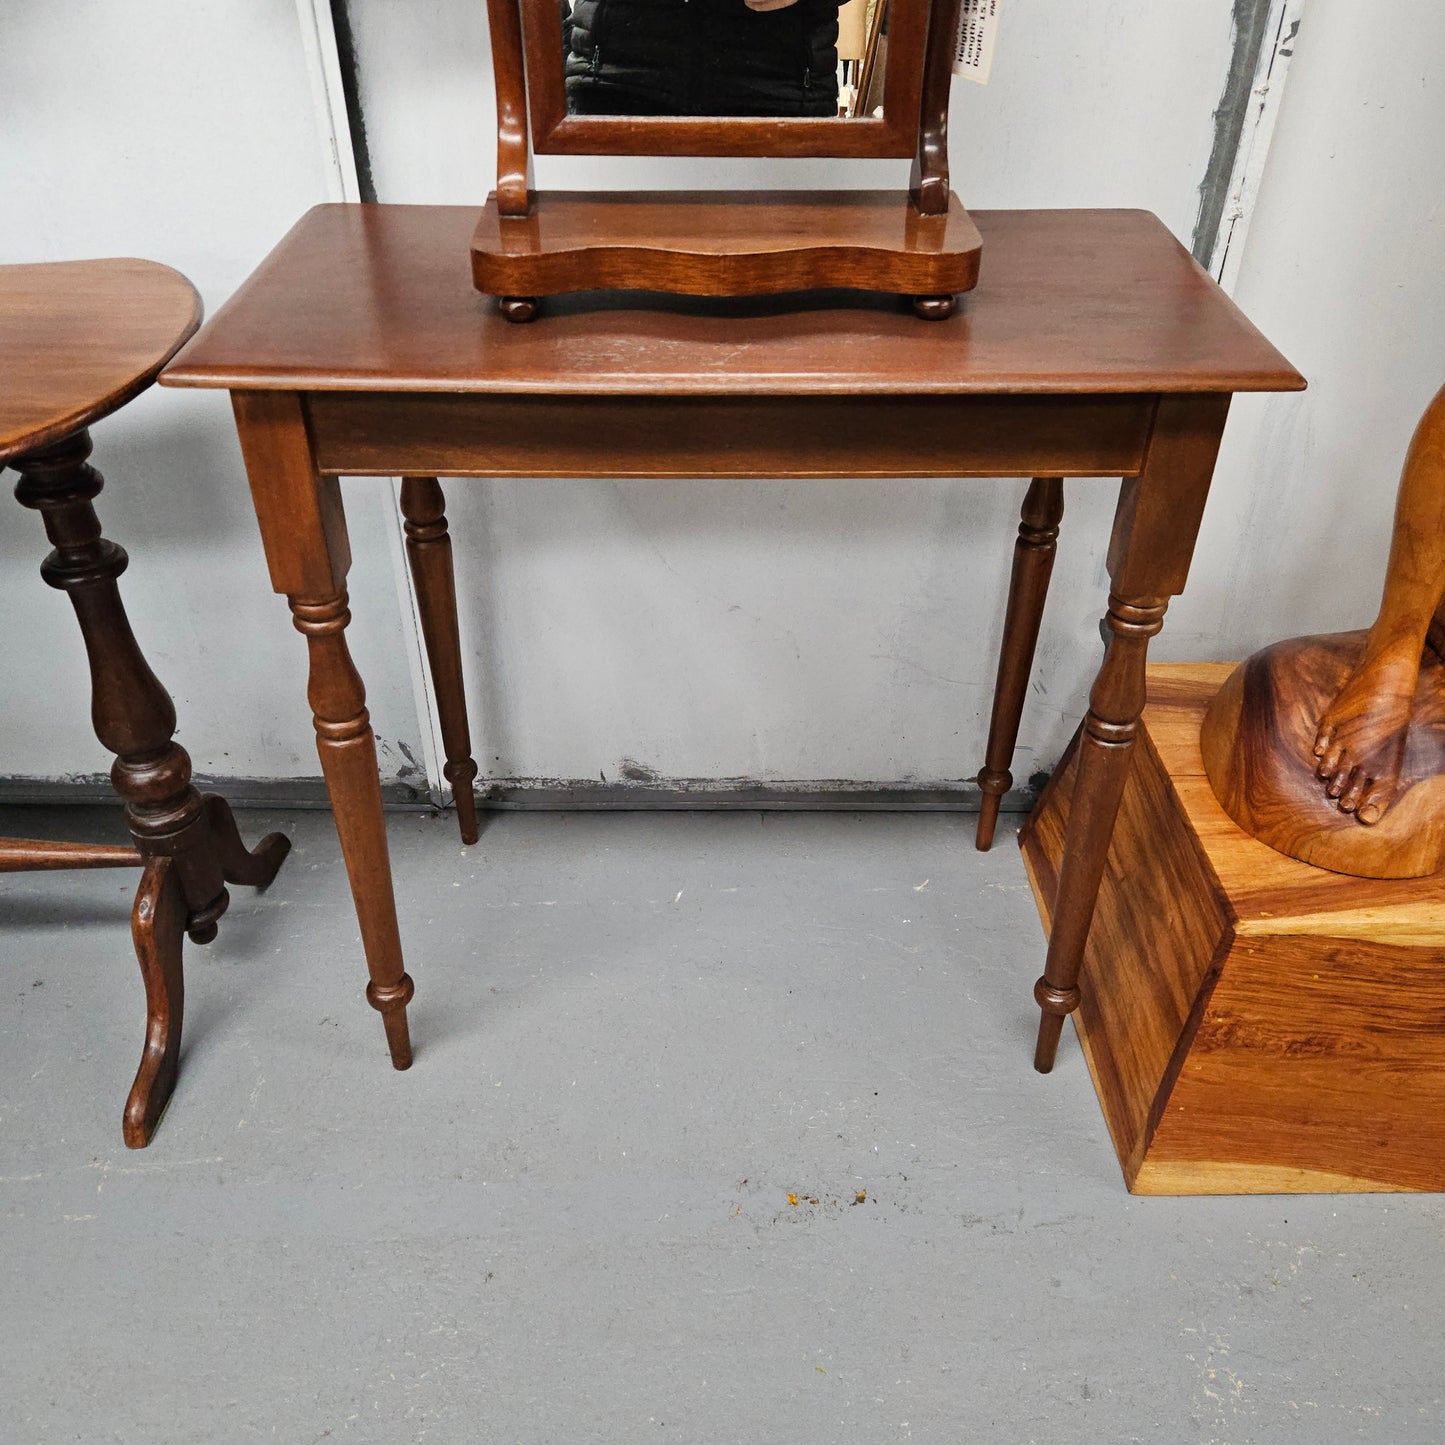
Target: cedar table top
[(80, 338), (380, 298)]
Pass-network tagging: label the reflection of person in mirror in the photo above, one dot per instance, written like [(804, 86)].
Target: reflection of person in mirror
[(701, 57)]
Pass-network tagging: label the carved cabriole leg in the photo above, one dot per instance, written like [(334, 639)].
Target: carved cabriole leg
[(253, 867), (1149, 554), (157, 922), (429, 552), (303, 529), (178, 834), (1033, 563)]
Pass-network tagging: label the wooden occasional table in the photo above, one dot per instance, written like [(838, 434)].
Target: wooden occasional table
[(78, 339), (1094, 346)]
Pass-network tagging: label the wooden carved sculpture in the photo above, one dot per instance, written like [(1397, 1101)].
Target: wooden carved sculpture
[(1332, 749)]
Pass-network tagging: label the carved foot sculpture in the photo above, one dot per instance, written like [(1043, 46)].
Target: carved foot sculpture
[(1362, 734), (1259, 742), (1332, 748)]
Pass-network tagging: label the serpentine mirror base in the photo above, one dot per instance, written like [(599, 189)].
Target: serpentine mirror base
[(702, 243)]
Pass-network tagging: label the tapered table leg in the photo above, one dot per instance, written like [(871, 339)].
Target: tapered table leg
[(1155, 528), (1105, 747), (303, 528), (1033, 563), (176, 831), (429, 554), (348, 760)]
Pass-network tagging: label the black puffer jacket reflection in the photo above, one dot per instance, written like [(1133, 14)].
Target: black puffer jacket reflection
[(701, 57)]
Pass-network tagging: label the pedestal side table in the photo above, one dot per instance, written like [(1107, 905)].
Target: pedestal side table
[(78, 340)]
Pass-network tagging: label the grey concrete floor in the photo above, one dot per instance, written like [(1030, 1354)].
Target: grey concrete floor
[(638, 1036)]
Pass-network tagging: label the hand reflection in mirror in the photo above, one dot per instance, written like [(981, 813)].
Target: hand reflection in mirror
[(701, 57)]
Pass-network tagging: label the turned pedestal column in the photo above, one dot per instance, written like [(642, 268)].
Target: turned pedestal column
[(93, 334)]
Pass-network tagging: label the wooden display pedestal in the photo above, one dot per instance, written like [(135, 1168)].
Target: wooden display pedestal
[(1253, 1024)]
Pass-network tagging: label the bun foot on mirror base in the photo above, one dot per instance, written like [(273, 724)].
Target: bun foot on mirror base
[(934, 308), (519, 308)]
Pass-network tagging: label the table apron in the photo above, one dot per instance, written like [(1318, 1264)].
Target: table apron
[(429, 434)]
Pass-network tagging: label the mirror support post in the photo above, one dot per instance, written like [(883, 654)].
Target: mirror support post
[(514, 147), (929, 186)]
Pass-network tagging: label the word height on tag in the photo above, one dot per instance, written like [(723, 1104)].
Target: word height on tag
[(977, 34)]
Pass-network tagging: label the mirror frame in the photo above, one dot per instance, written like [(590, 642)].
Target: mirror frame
[(554, 132)]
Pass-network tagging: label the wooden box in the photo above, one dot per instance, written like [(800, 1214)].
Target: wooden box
[(1252, 1024)]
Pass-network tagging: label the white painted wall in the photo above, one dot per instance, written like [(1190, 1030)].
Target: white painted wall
[(184, 131), (801, 630), (1344, 269)]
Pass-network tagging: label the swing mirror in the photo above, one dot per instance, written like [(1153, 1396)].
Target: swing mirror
[(725, 77)]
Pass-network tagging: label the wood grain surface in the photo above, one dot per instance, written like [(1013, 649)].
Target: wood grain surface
[(1261, 883), (380, 298), (1252, 1024), (1258, 747), (1158, 900), (701, 243), (1332, 748), (80, 338), (730, 436)]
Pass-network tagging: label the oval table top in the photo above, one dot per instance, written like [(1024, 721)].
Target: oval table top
[(80, 338)]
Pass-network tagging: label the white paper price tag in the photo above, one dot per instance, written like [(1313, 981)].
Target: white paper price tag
[(977, 34)]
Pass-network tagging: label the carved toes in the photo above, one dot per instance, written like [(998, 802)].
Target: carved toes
[(1359, 784), (1330, 763), (1351, 786)]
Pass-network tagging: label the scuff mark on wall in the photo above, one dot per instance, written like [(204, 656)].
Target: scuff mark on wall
[(1251, 27)]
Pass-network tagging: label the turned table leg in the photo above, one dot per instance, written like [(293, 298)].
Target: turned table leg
[(1105, 750), (348, 760), (1155, 528), (189, 844), (1033, 563), (303, 528), (429, 554)]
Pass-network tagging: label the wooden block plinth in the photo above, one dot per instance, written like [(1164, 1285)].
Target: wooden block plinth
[(1253, 1025)]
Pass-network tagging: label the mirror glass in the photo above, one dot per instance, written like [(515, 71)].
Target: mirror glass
[(812, 59)]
